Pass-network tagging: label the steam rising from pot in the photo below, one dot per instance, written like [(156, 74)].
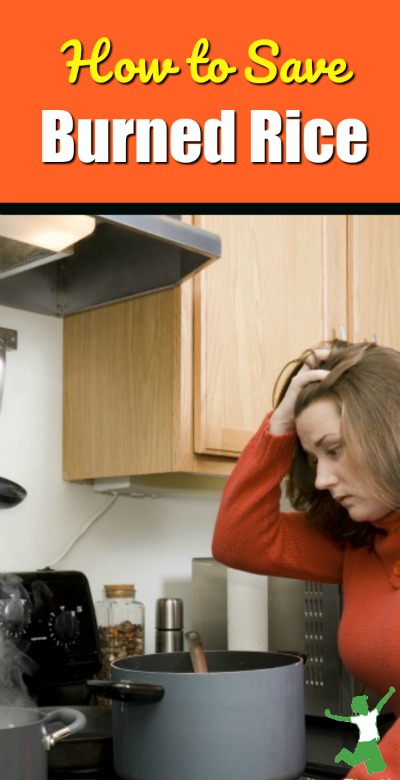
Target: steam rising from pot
[(15, 610)]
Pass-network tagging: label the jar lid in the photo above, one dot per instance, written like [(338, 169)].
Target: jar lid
[(119, 591)]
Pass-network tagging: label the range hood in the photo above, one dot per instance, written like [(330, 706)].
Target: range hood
[(125, 256)]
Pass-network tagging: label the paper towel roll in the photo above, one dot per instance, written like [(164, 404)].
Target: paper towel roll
[(247, 608)]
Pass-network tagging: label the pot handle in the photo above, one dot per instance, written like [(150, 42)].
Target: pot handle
[(134, 693), (74, 721)]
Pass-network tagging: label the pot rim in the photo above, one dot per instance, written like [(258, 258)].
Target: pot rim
[(35, 711), (292, 659)]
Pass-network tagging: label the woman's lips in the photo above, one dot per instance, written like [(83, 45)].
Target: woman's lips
[(343, 500)]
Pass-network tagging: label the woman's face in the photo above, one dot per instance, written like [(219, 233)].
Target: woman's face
[(319, 430)]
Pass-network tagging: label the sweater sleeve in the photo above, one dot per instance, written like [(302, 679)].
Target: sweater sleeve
[(251, 533)]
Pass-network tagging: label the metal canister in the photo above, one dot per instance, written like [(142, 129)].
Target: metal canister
[(169, 625)]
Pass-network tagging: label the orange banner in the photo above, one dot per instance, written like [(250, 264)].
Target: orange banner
[(215, 103)]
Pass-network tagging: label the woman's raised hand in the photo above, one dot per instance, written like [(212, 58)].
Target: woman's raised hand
[(283, 421)]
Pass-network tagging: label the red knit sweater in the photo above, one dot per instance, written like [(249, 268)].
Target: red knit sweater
[(252, 534)]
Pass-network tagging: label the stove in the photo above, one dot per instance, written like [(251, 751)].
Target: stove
[(49, 616), (55, 625)]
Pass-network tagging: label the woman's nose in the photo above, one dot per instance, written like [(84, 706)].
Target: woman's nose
[(325, 476)]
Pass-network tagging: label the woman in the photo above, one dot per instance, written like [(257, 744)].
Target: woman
[(335, 432)]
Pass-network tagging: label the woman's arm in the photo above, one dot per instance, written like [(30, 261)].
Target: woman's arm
[(251, 533)]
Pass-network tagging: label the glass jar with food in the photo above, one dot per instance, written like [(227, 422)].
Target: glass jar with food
[(120, 620)]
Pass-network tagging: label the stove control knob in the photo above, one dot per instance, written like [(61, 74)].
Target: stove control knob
[(64, 627), (15, 616)]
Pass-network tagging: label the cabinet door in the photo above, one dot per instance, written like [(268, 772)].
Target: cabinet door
[(128, 390), (260, 306), (119, 389), (374, 278)]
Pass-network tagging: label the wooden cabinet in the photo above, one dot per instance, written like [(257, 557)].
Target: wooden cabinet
[(280, 288), (128, 389), (177, 381), (374, 278)]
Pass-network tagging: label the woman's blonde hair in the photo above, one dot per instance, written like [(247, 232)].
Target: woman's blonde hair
[(364, 383)]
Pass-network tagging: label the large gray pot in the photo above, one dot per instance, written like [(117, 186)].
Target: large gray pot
[(24, 740), (244, 720)]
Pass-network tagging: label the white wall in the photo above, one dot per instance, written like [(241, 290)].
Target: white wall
[(150, 542)]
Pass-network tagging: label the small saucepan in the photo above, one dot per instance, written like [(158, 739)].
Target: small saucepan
[(25, 739)]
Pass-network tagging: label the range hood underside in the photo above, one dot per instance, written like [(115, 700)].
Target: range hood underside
[(116, 262)]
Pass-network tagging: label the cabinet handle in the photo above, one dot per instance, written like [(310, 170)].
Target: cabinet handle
[(343, 333), (374, 338)]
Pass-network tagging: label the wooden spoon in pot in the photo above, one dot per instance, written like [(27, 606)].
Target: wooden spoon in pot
[(196, 651)]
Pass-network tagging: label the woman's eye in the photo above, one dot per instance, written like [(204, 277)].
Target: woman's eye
[(334, 452)]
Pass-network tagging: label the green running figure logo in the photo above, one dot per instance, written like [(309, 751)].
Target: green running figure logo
[(367, 751)]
